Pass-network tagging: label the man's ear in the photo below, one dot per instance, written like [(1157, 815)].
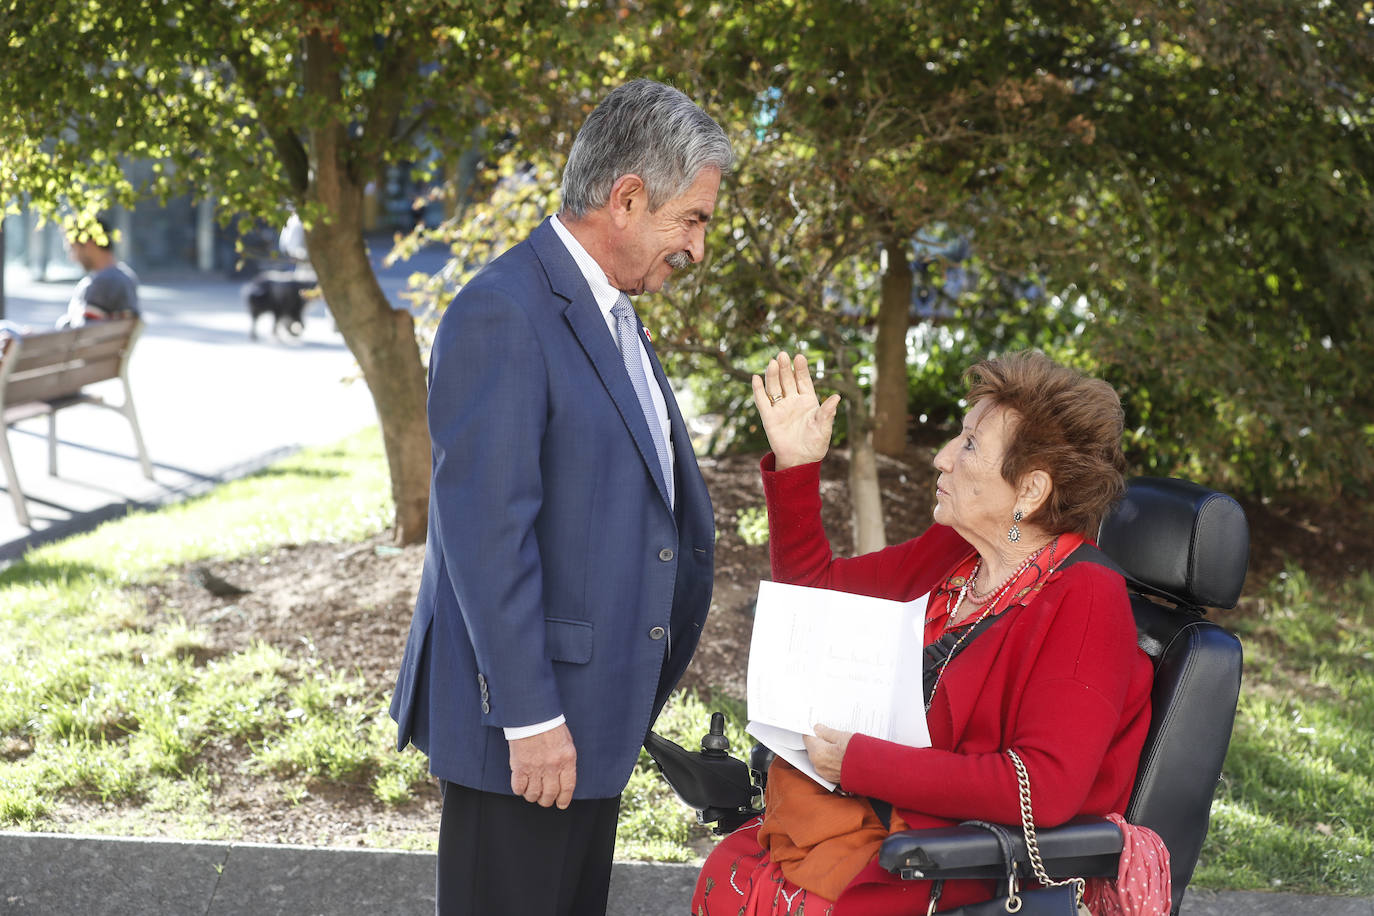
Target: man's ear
[(627, 196)]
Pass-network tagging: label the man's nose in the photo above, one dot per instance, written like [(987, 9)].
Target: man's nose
[(696, 245)]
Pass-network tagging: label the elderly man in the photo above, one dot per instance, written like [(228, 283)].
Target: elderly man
[(571, 540)]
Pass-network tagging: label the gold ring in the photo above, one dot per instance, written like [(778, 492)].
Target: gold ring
[(771, 399)]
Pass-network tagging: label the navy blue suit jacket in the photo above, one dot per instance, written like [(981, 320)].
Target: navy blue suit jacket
[(557, 578)]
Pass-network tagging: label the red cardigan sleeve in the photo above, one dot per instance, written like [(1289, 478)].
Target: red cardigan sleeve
[(1066, 686), (801, 554)]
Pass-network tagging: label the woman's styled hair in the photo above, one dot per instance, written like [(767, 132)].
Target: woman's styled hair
[(1064, 423), (646, 129)]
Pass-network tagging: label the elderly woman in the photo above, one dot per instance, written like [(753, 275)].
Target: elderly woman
[(1055, 675)]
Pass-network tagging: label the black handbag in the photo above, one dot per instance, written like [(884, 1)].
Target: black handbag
[(1056, 898)]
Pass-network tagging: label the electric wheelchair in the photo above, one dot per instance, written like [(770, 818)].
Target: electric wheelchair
[(1182, 548)]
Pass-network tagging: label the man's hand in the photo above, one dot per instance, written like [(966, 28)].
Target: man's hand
[(826, 751), (543, 767)]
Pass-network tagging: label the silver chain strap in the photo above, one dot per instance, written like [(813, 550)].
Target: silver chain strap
[(1028, 831)]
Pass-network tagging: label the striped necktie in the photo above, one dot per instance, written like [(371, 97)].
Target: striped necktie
[(627, 336)]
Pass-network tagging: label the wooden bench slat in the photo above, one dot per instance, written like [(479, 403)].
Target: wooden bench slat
[(103, 330), (45, 346), (44, 373), (47, 386), (95, 330), (38, 390), (51, 387), (45, 343), (21, 373), (27, 361)]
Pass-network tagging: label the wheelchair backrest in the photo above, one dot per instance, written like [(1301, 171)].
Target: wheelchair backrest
[(1188, 548)]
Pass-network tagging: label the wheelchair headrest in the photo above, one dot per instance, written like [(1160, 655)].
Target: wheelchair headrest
[(1180, 539)]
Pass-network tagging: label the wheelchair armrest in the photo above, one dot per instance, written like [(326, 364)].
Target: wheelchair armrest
[(720, 787), (701, 780), (1085, 847)]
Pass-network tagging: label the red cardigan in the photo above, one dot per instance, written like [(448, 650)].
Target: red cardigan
[(1061, 680)]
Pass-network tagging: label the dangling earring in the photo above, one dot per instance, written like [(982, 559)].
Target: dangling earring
[(1014, 534)]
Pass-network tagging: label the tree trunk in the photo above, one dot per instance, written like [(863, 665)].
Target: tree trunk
[(889, 353), (380, 337), (864, 493)]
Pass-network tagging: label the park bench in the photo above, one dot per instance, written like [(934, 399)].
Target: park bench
[(42, 373)]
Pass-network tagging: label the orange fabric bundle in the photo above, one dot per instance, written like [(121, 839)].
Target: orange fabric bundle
[(819, 839)]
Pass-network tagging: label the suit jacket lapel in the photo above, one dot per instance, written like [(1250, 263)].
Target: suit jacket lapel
[(588, 325)]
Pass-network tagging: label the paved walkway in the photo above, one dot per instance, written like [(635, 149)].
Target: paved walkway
[(212, 404), (51, 875)]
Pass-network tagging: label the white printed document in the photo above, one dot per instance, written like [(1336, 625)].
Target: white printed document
[(846, 661)]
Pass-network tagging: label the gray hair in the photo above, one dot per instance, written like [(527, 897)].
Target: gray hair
[(647, 129)]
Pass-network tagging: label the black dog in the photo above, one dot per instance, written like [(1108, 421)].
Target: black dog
[(280, 294)]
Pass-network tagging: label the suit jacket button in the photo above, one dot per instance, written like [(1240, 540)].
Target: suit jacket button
[(486, 707), (665, 554), (657, 633)]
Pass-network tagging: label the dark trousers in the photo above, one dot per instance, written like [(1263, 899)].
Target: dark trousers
[(500, 854)]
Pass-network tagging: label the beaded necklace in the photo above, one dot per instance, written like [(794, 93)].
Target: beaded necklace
[(952, 604)]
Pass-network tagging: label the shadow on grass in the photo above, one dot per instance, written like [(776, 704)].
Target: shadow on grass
[(315, 473), (43, 572)]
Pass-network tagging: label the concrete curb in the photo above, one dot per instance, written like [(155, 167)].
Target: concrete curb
[(1244, 903), (44, 874)]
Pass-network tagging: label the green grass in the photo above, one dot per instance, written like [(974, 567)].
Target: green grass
[(100, 706), (1295, 811)]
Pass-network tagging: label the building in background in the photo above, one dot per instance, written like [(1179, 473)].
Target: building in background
[(184, 235)]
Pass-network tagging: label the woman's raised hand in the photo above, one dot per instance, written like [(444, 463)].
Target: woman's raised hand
[(797, 424)]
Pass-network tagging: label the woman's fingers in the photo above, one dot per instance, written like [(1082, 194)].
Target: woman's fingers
[(827, 413), (760, 394), (772, 381), (787, 385), (798, 427), (780, 378), (786, 378), (793, 376), (801, 375)]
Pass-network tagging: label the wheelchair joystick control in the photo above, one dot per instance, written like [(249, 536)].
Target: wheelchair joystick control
[(714, 743), (720, 787)]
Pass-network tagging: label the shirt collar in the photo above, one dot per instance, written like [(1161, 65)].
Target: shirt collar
[(603, 292)]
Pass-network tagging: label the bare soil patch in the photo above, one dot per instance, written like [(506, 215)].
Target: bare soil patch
[(349, 607)]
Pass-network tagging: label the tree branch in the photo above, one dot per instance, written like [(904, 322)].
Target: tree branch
[(291, 151)]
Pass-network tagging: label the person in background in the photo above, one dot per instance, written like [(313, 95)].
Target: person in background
[(1041, 655), (110, 286), (571, 539), (291, 239)]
